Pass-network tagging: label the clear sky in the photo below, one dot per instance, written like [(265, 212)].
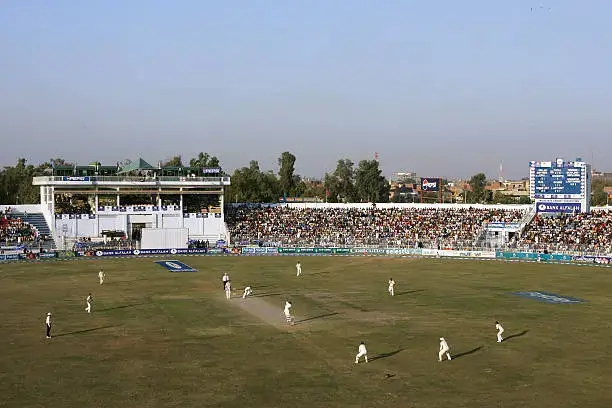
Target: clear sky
[(443, 88)]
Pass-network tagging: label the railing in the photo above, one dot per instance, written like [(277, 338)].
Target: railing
[(131, 179)]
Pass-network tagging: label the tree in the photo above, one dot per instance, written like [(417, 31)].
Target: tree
[(251, 185), (204, 160), (176, 161), (478, 182), (499, 198), (525, 200), (341, 183), (60, 162), (599, 198), (370, 184), (16, 183), (287, 168)]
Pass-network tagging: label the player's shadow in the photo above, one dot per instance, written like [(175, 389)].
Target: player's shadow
[(524, 332), (84, 331), (385, 355), (317, 317), (467, 353), (409, 291), (119, 307), (267, 294)]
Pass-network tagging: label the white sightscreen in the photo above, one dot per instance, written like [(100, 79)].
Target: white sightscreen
[(154, 238)]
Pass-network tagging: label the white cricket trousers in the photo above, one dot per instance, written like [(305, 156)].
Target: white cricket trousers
[(88, 308), (391, 291), (359, 355), (499, 336), (441, 354)]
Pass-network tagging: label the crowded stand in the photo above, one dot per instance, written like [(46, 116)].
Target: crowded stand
[(580, 232), (451, 228), (13, 230)]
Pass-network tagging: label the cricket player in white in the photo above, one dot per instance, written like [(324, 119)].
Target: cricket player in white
[(298, 266), (225, 279), (444, 349), (391, 285), (101, 276), (88, 300), (48, 325), (361, 352), (228, 290), (287, 311), (500, 330), (247, 292)]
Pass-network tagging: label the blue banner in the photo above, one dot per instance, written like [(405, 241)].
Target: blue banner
[(548, 207), (9, 257), (532, 256), (432, 184), (74, 178), (160, 251)]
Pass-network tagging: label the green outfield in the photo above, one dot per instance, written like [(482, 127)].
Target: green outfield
[(162, 339)]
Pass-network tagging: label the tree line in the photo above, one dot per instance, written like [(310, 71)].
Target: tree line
[(349, 182)]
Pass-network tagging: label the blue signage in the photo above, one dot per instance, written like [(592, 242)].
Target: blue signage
[(176, 266), (568, 208), (432, 184), (75, 178), (557, 180)]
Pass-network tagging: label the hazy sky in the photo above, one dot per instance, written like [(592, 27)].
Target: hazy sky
[(443, 88)]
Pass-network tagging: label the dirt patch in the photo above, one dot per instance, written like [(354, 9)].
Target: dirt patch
[(265, 311)]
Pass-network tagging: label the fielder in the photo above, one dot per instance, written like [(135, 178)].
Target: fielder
[(298, 266), (287, 311), (391, 285), (247, 292), (101, 276), (88, 300), (500, 330), (228, 290), (361, 352), (225, 280), (444, 350), (48, 325)]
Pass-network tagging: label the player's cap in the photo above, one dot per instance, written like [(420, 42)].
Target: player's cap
[(441, 338), (49, 314)]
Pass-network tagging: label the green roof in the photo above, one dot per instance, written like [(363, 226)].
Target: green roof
[(136, 165)]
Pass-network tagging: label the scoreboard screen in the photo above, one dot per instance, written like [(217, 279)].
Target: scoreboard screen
[(558, 180)]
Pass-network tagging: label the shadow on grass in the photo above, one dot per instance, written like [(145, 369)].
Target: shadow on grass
[(118, 307), (267, 294), (130, 280), (385, 355), (409, 291), (524, 332), (318, 273), (316, 317), (84, 331), (263, 286), (466, 353)]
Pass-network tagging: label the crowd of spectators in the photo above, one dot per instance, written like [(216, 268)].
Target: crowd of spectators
[(406, 226), (569, 232), (13, 230)]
